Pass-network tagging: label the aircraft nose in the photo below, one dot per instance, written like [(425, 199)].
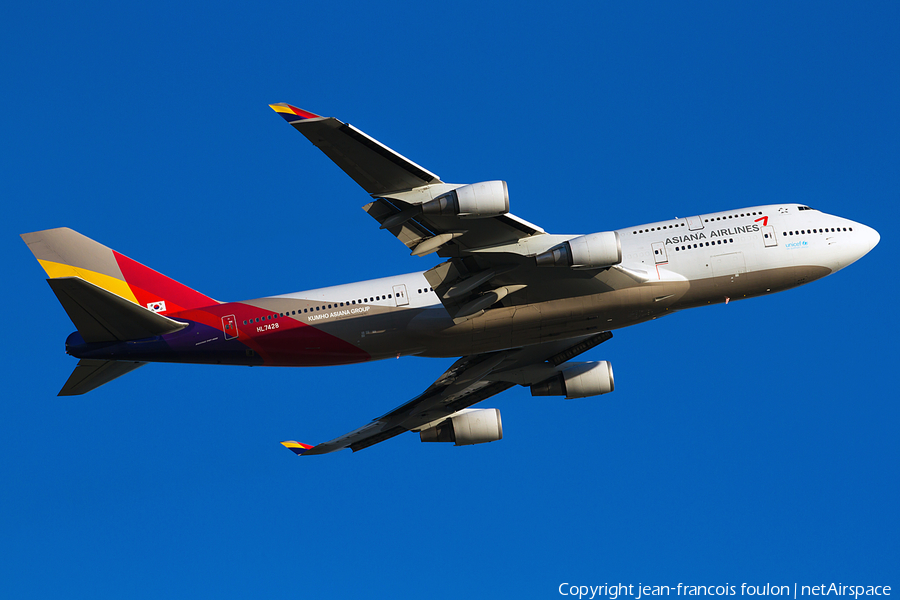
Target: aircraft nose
[(870, 237), (863, 239)]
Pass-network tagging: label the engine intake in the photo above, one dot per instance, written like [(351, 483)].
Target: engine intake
[(475, 201), (593, 251), (578, 380), (469, 426)]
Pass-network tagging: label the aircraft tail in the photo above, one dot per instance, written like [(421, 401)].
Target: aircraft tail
[(64, 253), (109, 298), (101, 316)]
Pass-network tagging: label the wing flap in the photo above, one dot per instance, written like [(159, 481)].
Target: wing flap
[(409, 232)]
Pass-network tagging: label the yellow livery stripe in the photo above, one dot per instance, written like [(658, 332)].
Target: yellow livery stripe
[(296, 447), (282, 108), (118, 287)]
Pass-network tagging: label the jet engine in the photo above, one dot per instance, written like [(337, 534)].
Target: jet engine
[(469, 426), (593, 251), (475, 201), (578, 380)]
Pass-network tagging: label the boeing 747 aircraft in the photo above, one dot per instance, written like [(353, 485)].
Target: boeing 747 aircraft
[(516, 303)]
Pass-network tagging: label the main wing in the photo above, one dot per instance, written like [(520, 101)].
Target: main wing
[(401, 187), (491, 251), (468, 381), (491, 260), (371, 164)]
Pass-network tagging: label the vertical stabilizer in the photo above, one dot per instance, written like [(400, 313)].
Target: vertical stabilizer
[(63, 252)]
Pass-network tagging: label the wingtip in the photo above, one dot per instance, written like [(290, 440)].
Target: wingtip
[(292, 114), (296, 447)]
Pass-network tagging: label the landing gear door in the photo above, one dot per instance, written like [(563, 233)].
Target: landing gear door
[(768, 234), (229, 327), (659, 253), (400, 295)]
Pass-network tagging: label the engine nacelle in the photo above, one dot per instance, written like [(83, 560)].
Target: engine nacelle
[(475, 201), (593, 251), (469, 426), (578, 380)]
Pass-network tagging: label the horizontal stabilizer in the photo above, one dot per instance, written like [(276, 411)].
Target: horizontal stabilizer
[(101, 316), (296, 447), (91, 374)]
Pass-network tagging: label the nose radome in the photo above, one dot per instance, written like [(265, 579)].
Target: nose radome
[(871, 237), (863, 239)]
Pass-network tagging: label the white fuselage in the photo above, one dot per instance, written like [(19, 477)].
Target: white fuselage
[(666, 266)]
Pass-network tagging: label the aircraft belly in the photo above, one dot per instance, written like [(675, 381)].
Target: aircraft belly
[(526, 325), (197, 343), (493, 330), (308, 346), (430, 331), (511, 327), (733, 284), (379, 337)]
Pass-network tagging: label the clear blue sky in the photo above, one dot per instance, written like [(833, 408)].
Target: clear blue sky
[(754, 442)]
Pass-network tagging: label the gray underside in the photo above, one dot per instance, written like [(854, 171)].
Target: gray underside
[(91, 374), (102, 316)]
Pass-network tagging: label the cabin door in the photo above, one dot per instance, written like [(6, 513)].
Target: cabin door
[(400, 295), (659, 253), (695, 223), (229, 326)]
